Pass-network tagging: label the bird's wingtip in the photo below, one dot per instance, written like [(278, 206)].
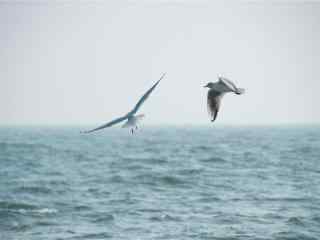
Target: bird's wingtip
[(163, 75)]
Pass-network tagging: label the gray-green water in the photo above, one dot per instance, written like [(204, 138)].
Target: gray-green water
[(162, 183)]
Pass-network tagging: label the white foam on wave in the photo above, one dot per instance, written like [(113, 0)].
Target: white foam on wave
[(47, 210), (39, 211)]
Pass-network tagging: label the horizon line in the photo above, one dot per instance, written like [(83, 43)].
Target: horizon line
[(82, 125)]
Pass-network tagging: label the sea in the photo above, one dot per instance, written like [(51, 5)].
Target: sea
[(164, 182)]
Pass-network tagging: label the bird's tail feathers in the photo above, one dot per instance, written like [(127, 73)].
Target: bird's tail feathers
[(240, 91)]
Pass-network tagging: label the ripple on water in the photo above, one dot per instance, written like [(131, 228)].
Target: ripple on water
[(155, 179), (282, 199), (151, 160), (295, 221), (103, 218), (24, 208), (16, 205), (20, 227), (316, 219), (209, 199), (150, 210), (212, 160), (23, 146), (293, 235), (172, 180), (165, 218), (102, 235), (82, 208), (190, 172), (116, 179), (45, 223), (33, 190)]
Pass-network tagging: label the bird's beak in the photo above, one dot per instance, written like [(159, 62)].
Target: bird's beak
[(205, 86)]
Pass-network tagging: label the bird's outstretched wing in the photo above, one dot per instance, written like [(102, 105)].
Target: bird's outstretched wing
[(145, 96), (109, 124), (213, 103), (228, 84), (232, 87)]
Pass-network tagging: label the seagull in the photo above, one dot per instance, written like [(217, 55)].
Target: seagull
[(131, 117), (216, 91)]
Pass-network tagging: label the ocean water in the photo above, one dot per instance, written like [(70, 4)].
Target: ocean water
[(162, 183)]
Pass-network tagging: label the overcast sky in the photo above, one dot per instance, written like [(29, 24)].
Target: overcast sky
[(87, 62)]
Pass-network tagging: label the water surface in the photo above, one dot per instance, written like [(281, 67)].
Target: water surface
[(162, 183)]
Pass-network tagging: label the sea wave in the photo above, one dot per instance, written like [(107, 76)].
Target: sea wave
[(25, 208), (58, 185)]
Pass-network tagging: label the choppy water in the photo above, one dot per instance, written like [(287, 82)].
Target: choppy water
[(163, 183)]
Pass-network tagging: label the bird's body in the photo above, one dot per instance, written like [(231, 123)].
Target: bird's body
[(131, 117), (216, 91), (132, 122)]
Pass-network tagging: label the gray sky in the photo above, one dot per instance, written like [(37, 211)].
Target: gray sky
[(85, 63)]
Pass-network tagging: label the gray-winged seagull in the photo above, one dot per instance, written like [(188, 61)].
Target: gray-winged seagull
[(217, 91), (131, 117)]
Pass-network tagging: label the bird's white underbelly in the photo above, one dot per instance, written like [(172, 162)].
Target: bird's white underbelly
[(133, 121)]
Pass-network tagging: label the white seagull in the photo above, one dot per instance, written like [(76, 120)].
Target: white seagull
[(217, 91), (131, 117)]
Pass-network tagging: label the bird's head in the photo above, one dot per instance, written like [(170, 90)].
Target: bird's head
[(209, 85)]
